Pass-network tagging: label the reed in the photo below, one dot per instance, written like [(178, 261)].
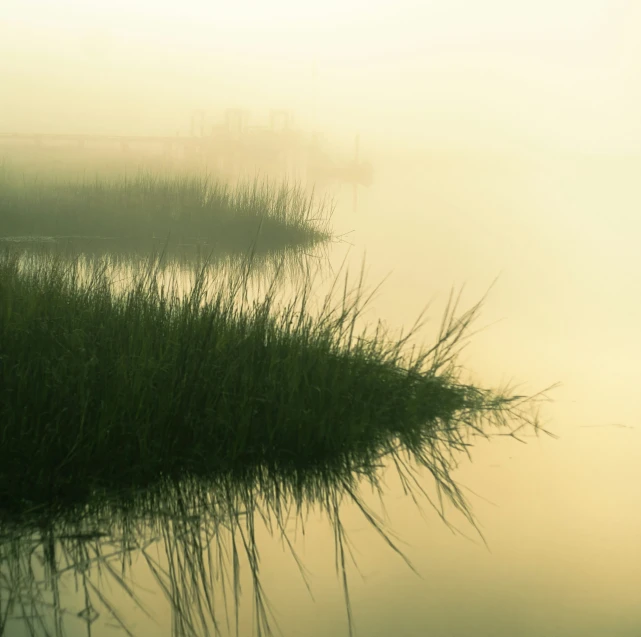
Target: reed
[(181, 208), (108, 384)]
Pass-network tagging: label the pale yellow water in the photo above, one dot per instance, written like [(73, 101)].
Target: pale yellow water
[(561, 517)]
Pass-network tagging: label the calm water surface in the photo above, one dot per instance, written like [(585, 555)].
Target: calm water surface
[(560, 517)]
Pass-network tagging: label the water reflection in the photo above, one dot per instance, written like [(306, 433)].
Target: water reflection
[(124, 258), (104, 561), (184, 557), (104, 557)]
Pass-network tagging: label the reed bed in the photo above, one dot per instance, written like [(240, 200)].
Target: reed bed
[(108, 384), (179, 208)]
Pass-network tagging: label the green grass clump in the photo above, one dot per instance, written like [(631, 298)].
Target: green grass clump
[(109, 385), (183, 208)]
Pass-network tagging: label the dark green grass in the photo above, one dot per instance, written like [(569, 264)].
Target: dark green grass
[(183, 209), (108, 389)]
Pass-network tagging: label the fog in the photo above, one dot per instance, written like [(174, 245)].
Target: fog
[(495, 74), (505, 140)]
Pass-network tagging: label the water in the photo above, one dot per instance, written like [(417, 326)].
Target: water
[(560, 517), (562, 233)]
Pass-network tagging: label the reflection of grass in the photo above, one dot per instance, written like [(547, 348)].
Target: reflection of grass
[(196, 539), (187, 209), (292, 263), (107, 389)]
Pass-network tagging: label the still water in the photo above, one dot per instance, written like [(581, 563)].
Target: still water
[(560, 517)]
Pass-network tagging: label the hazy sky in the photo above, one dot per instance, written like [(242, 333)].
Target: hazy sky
[(463, 71)]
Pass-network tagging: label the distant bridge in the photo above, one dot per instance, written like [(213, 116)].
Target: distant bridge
[(232, 142), (81, 140)]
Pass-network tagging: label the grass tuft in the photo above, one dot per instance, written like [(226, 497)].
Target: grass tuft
[(108, 384), (184, 209)]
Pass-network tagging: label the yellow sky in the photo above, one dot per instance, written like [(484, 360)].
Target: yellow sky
[(561, 70)]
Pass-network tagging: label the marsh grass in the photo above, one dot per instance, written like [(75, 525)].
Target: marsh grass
[(144, 416), (178, 208), (109, 384)]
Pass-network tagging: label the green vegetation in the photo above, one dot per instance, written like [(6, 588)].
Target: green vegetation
[(183, 209), (108, 385), (168, 414)]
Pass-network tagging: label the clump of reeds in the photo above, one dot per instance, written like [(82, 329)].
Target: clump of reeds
[(229, 412), (110, 385), (178, 208)]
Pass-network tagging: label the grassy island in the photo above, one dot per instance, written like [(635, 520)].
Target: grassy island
[(181, 209), (107, 387)]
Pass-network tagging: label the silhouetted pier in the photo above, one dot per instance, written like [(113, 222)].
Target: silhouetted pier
[(228, 145)]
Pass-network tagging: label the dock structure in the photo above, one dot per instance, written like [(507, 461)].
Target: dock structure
[(229, 145)]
